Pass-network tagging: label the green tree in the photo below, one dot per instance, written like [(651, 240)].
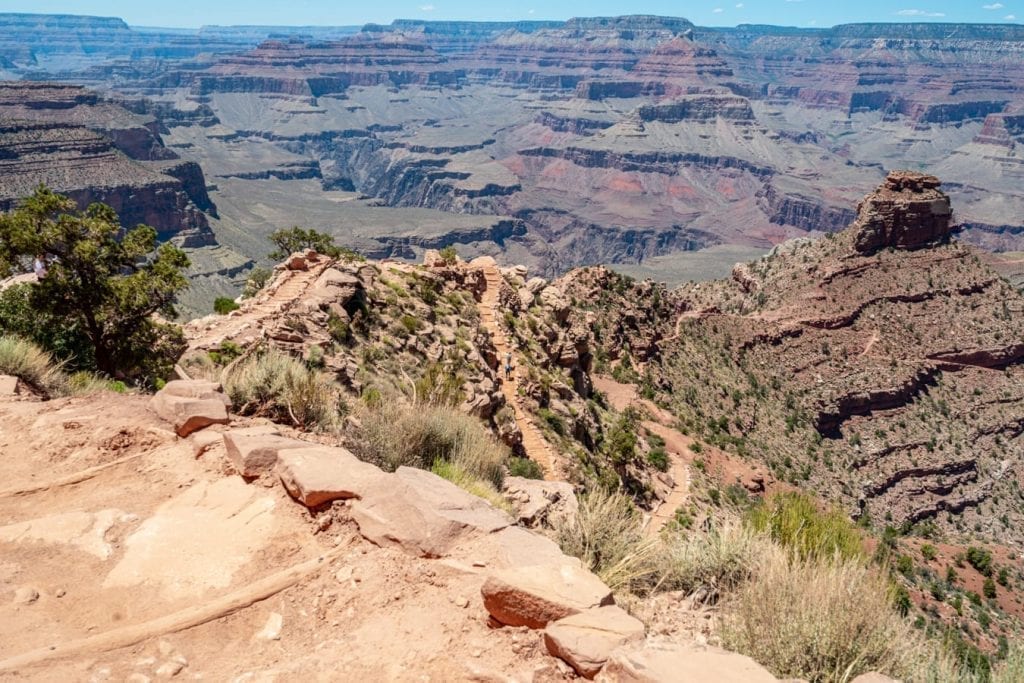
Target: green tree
[(297, 239), (104, 284)]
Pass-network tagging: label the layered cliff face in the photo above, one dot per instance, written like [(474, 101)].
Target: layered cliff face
[(92, 150), (603, 139), (881, 366), (300, 68)]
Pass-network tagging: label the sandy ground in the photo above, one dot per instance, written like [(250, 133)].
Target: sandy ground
[(125, 558)]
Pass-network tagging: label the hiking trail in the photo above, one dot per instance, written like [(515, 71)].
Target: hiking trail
[(534, 444)]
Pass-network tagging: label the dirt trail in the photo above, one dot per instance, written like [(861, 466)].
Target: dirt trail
[(210, 333), (677, 445), (125, 557), (536, 446)]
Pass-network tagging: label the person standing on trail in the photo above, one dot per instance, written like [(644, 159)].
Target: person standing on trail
[(508, 365), (39, 266)]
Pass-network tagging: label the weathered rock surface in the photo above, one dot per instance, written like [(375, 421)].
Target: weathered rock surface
[(541, 503), (586, 640), (907, 212), (190, 405), (536, 595), (254, 452), (423, 514), (321, 474), (653, 662)]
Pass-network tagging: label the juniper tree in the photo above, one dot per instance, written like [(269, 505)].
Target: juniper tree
[(104, 284)]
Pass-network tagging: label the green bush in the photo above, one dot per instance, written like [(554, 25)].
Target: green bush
[(526, 468), (989, 588), (980, 559), (794, 520), (223, 305), (449, 255), (658, 459), (257, 280)]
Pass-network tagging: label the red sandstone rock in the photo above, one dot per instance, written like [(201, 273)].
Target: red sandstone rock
[(320, 474), (587, 639), (534, 596), (661, 662)]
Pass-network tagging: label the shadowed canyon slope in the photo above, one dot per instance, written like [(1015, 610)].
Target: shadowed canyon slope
[(626, 140)]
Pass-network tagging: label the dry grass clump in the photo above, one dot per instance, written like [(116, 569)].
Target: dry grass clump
[(394, 433), (822, 621), (608, 536), (33, 366), (275, 385)]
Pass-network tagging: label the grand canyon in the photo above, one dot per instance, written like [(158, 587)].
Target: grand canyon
[(630, 348)]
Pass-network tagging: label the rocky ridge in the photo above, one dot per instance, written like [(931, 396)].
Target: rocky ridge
[(844, 350)]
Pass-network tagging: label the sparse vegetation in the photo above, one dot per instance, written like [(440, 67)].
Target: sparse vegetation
[(395, 433), (272, 384), (223, 305), (33, 366)]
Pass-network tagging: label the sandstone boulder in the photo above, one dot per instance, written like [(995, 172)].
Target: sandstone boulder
[(190, 405), (196, 388), (253, 452), (654, 662), (534, 596), (587, 639), (554, 299), (541, 503), (297, 262), (423, 514), (432, 259), (535, 285), (320, 474)]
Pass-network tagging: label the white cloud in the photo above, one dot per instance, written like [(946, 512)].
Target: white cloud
[(994, 5), (1010, 17), (427, 8), (919, 13), (533, 11), (739, 5), (718, 10)]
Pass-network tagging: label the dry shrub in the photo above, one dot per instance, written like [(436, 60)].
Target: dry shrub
[(395, 433), (32, 365), (275, 385), (712, 563), (823, 621)]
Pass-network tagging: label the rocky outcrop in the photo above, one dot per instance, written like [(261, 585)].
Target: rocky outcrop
[(301, 68), (699, 108), (907, 212), (96, 151), (191, 405)]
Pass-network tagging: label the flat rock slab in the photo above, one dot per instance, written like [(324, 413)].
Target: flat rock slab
[(196, 388), (534, 596), (254, 454), (189, 415), (316, 475), (424, 514), (587, 639), (8, 385), (690, 663)]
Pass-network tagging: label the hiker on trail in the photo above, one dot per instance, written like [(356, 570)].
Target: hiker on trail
[(39, 266), (508, 365)]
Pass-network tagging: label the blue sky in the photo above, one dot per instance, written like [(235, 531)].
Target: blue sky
[(190, 13)]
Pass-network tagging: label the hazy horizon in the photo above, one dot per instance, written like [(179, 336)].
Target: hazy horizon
[(191, 14)]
